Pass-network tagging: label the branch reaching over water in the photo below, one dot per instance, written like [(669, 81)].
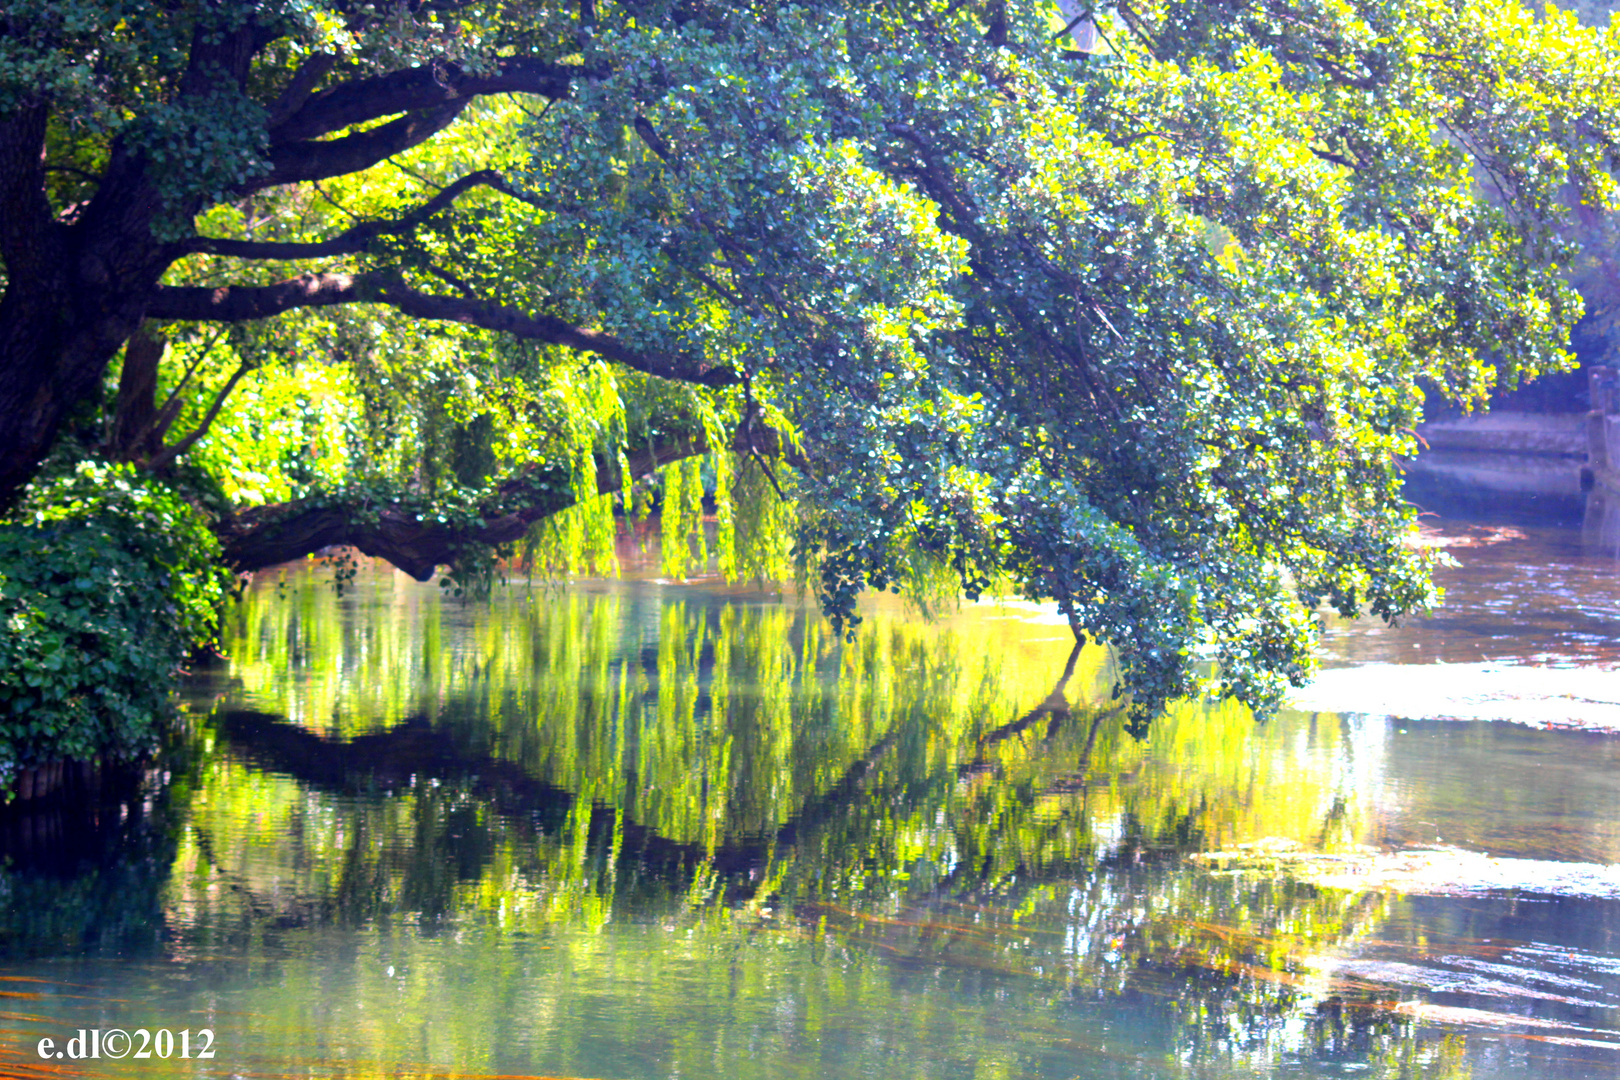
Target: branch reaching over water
[(415, 539)]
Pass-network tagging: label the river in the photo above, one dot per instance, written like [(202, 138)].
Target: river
[(639, 829)]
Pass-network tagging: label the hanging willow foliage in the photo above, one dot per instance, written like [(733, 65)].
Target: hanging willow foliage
[(750, 533)]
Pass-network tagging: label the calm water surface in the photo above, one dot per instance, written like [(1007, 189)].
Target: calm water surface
[(642, 830)]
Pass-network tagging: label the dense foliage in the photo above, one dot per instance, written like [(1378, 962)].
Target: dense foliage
[(106, 583), (1141, 330)]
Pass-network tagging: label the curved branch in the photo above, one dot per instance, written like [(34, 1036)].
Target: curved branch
[(420, 88), (296, 94), (357, 239), (296, 162), (420, 544), (245, 303)]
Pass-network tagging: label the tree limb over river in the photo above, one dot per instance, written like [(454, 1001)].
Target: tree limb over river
[(420, 541), (1143, 332)]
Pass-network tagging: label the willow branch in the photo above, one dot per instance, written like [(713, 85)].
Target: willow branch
[(419, 542)]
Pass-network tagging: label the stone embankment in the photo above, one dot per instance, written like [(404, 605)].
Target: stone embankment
[(1553, 434), (1531, 466)]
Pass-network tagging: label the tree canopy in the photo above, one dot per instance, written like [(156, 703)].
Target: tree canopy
[(1144, 329)]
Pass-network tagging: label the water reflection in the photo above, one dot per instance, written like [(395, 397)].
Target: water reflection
[(639, 831), (1529, 631)]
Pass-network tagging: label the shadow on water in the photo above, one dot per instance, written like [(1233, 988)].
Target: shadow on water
[(83, 867), (635, 831), (1543, 491)]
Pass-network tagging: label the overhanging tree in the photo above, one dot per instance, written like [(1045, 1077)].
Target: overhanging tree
[(1140, 331)]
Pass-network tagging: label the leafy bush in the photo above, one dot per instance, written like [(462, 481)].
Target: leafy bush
[(107, 580)]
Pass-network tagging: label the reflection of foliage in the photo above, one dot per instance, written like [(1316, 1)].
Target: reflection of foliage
[(107, 580), (655, 835), (555, 764), (720, 726)]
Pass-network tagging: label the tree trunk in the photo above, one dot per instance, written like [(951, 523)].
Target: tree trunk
[(75, 292), (134, 433)]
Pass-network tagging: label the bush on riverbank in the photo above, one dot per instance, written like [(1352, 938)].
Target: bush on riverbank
[(107, 580)]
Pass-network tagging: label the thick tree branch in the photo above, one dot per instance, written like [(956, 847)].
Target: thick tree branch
[(296, 94), (26, 218), (419, 545), (554, 331), (137, 410), (296, 162), (245, 303), (1337, 159), (220, 57), (416, 89)]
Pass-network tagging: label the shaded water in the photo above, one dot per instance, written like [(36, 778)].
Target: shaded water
[(638, 830)]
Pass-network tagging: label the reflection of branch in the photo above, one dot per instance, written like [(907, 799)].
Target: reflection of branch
[(303, 912), (416, 751), (1054, 704), (816, 810), (824, 806)]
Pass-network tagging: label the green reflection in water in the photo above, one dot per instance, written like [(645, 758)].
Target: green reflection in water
[(636, 832)]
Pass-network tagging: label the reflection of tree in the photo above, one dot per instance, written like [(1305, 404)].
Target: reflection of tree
[(725, 767), (770, 820), (727, 756), (446, 779)]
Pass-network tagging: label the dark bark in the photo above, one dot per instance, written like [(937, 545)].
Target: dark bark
[(298, 162), (74, 292), (136, 431), (78, 283), (431, 97), (35, 253), (270, 535), (416, 89)]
